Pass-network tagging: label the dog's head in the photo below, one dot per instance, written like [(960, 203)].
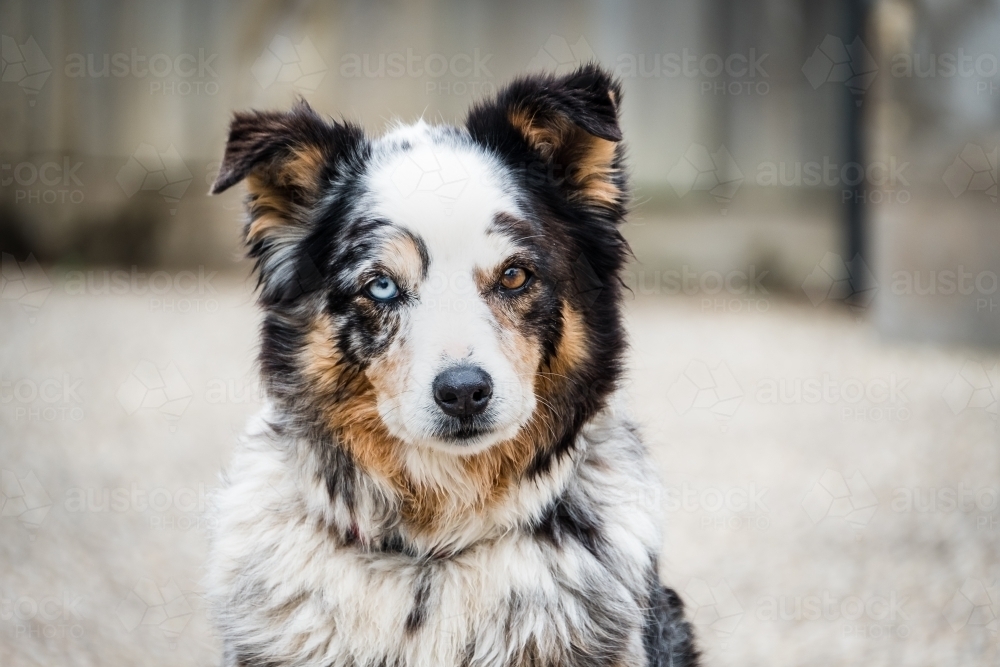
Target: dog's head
[(441, 289)]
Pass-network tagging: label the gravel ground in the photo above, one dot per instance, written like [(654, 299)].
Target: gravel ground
[(853, 521)]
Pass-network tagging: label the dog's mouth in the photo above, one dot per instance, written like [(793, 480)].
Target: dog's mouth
[(464, 431), (467, 431)]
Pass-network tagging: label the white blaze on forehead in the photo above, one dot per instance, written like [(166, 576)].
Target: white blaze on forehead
[(447, 193), (444, 193)]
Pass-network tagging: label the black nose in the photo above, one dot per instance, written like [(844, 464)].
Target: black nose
[(463, 391)]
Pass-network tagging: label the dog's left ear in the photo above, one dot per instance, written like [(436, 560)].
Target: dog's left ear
[(569, 123)]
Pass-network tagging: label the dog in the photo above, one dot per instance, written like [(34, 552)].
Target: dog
[(444, 473)]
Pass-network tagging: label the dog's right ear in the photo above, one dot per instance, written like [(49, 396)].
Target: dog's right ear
[(287, 159)]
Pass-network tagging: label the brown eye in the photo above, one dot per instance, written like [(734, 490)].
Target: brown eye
[(513, 278)]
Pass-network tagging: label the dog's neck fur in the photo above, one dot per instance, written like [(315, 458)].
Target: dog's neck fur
[(364, 510)]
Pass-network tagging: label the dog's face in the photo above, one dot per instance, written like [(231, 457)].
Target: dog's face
[(454, 294), (440, 289)]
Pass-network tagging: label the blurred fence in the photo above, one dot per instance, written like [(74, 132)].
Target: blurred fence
[(738, 117)]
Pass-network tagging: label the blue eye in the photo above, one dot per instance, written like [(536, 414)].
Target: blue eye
[(382, 289)]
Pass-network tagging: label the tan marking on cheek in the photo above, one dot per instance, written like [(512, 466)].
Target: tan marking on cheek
[(572, 348), (321, 358), (348, 404), (387, 374), (355, 421), (522, 351), (504, 464), (551, 378)]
